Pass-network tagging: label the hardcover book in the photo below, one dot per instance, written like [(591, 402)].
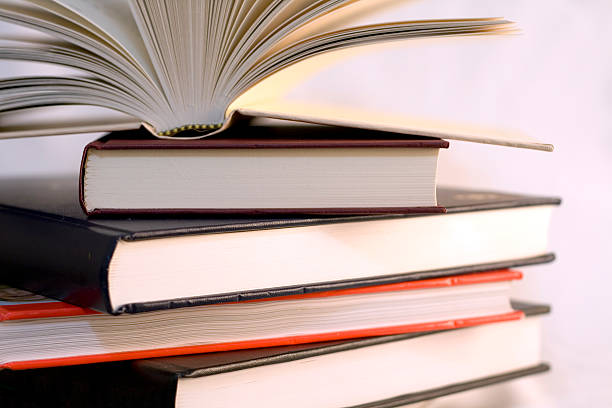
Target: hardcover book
[(275, 169), (35, 334), (375, 372), (197, 66), (136, 264)]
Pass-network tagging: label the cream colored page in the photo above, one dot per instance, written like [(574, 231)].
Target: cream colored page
[(268, 99), (58, 120), (363, 119), (290, 10), (113, 17), (33, 14), (38, 16), (343, 17), (75, 17)]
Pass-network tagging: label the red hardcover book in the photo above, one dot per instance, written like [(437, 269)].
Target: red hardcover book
[(373, 372), (38, 332)]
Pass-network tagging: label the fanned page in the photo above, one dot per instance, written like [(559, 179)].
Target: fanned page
[(111, 20), (183, 68), (367, 119), (61, 120)]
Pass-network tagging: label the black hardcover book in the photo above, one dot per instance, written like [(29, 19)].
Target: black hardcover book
[(379, 372), (128, 265)]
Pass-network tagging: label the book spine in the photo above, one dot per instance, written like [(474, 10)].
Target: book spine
[(56, 257), (300, 290), (93, 145), (427, 395)]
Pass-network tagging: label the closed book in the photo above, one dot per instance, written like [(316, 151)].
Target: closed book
[(42, 333), (262, 169), (385, 371), (137, 264)]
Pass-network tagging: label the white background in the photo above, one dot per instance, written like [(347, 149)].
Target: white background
[(554, 81)]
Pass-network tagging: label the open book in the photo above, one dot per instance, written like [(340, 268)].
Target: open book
[(188, 68)]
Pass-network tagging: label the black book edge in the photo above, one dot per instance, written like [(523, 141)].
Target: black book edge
[(327, 286), (36, 199), (65, 257), (79, 253), (305, 221), (454, 388), (80, 273), (118, 385)]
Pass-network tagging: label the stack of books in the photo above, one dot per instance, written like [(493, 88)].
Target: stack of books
[(269, 263), (300, 310)]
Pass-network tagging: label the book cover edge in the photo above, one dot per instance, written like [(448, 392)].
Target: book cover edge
[(49, 308)]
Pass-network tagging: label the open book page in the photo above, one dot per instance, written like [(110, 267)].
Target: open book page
[(58, 120), (362, 35), (46, 21), (368, 119), (269, 99), (111, 20), (177, 66), (269, 26), (37, 18), (337, 19)]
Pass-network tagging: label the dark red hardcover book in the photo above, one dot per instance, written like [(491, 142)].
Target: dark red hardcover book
[(262, 169)]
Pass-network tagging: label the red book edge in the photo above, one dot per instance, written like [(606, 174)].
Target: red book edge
[(283, 341), (60, 309)]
